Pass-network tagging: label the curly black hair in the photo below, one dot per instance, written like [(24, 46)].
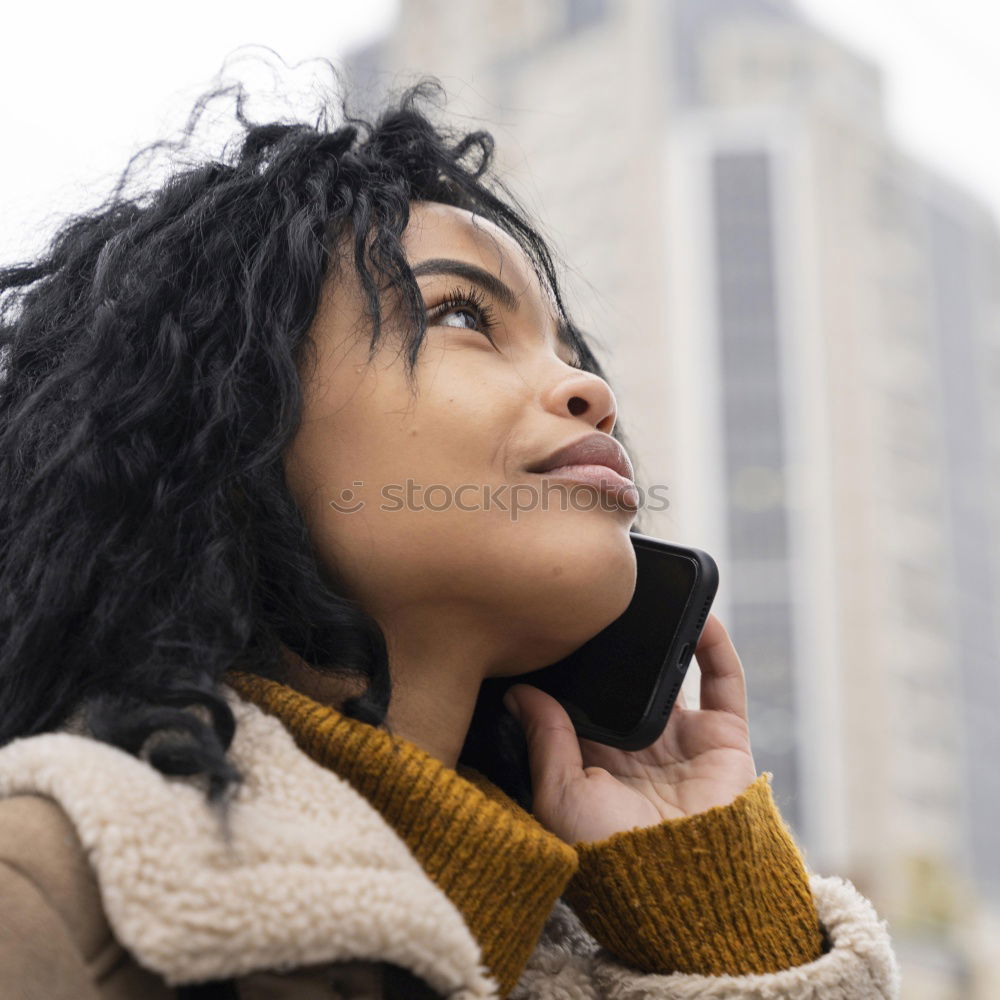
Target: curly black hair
[(153, 359)]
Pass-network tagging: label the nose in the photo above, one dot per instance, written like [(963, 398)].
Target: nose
[(583, 394)]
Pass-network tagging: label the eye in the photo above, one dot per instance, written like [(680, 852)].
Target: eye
[(469, 302), (464, 302)]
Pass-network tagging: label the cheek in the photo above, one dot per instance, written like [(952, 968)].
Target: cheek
[(379, 475), (458, 427), (434, 461)]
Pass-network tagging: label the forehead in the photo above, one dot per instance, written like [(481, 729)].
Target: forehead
[(436, 230)]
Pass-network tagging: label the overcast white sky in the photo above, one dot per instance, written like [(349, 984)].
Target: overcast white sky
[(941, 60), (84, 85)]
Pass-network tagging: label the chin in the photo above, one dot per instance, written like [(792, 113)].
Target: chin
[(583, 577)]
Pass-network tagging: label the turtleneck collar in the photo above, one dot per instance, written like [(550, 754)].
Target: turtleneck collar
[(499, 866)]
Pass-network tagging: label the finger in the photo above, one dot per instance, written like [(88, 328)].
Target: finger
[(553, 746), (723, 683)]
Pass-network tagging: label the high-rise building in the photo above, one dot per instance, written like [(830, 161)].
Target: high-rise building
[(802, 325)]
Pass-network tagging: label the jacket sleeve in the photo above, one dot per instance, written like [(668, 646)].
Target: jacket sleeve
[(718, 904), (39, 951)]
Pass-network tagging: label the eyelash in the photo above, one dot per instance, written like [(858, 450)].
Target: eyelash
[(460, 297), (468, 297)]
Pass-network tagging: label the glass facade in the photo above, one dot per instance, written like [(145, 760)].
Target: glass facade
[(967, 434), (756, 516)]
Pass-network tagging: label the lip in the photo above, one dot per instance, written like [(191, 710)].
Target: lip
[(606, 479), (592, 449), (596, 459)]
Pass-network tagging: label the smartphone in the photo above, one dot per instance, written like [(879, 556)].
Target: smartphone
[(620, 686)]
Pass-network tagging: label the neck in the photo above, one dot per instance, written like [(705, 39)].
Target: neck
[(434, 690)]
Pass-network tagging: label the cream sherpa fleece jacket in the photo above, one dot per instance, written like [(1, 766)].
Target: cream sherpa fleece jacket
[(308, 872)]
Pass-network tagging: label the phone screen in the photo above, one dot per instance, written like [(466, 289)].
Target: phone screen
[(611, 681)]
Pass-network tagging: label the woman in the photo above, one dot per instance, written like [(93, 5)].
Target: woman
[(256, 425)]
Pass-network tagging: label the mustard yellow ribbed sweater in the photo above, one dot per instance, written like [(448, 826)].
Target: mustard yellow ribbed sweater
[(721, 892)]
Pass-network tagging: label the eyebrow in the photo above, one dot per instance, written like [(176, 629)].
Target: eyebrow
[(488, 281)]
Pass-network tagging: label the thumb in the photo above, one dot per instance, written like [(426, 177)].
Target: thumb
[(553, 746)]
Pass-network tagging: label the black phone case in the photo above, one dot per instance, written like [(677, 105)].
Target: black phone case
[(678, 657)]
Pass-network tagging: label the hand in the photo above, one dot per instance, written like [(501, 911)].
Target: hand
[(586, 791)]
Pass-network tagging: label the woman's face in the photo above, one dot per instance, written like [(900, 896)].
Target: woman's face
[(405, 495)]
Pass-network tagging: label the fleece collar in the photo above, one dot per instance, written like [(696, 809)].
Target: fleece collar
[(306, 871)]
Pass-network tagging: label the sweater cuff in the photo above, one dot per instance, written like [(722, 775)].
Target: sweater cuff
[(722, 892)]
